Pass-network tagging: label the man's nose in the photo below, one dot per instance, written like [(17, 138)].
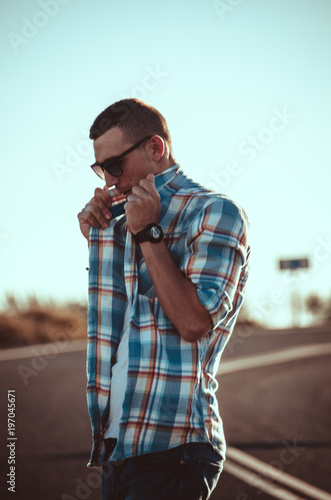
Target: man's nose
[(110, 179)]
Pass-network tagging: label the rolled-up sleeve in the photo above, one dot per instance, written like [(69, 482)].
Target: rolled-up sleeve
[(216, 255)]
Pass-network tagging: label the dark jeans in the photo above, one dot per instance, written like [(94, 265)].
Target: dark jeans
[(187, 472)]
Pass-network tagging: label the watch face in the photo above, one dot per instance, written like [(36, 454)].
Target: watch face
[(155, 232), (152, 233)]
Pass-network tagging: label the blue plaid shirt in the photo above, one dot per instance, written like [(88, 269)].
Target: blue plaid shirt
[(170, 395)]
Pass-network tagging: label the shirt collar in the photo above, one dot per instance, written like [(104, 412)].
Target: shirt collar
[(161, 180)]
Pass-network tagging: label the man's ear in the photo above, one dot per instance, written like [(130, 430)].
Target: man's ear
[(157, 147)]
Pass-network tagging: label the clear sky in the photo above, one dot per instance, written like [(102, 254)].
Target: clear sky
[(245, 88)]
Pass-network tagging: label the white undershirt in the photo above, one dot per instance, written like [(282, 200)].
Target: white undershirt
[(118, 382)]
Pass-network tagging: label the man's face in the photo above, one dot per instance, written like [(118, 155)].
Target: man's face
[(136, 165)]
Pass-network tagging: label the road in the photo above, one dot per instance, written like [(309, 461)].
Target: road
[(278, 413), (276, 416)]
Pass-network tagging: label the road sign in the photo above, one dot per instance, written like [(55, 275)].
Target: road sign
[(293, 264)]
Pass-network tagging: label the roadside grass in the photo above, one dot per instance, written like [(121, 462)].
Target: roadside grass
[(33, 322)]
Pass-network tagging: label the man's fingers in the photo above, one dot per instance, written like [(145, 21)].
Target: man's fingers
[(148, 185), (138, 191), (150, 177), (96, 213), (100, 211), (101, 214), (133, 197), (102, 201), (96, 216), (103, 196), (91, 220)]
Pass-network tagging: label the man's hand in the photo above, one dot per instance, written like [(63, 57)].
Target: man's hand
[(143, 206), (95, 213)]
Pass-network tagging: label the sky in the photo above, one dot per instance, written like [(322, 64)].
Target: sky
[(245, 88)]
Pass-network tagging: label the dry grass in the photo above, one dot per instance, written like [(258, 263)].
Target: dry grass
[(33, 322)]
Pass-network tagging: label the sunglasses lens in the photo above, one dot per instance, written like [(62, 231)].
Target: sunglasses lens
[(99, 171), (113, 169)]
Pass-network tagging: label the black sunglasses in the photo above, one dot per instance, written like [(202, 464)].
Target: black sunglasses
[(113, 165)]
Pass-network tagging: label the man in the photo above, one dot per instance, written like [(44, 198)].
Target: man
[(166, 282)]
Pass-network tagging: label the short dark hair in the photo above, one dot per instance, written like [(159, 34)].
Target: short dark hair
[(135, 118)]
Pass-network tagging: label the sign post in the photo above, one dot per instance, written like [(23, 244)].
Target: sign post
[(293, 265)]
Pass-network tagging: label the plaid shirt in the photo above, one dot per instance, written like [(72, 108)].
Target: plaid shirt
[(170, 394)]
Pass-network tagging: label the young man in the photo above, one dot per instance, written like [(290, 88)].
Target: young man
[(167, 275)]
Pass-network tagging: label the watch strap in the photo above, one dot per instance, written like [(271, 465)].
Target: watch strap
[(147, 234)]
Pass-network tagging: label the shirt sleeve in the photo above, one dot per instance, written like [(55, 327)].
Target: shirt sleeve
[(216, 255)]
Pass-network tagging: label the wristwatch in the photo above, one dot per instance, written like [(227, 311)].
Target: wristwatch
[(152, 233)]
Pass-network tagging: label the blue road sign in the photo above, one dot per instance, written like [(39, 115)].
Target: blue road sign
[(292, 264)]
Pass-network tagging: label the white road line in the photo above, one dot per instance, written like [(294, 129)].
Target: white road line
[(257, 482), (273, 357), (275, 474), (31, 351), (259, 332), (226, 366)]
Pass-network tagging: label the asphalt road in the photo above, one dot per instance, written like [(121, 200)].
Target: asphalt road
[(278, 413)]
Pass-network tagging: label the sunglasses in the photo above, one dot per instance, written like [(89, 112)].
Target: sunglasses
[(113, 165)]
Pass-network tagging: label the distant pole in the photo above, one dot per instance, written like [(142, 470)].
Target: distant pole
[(296, 303), (293, 265)]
